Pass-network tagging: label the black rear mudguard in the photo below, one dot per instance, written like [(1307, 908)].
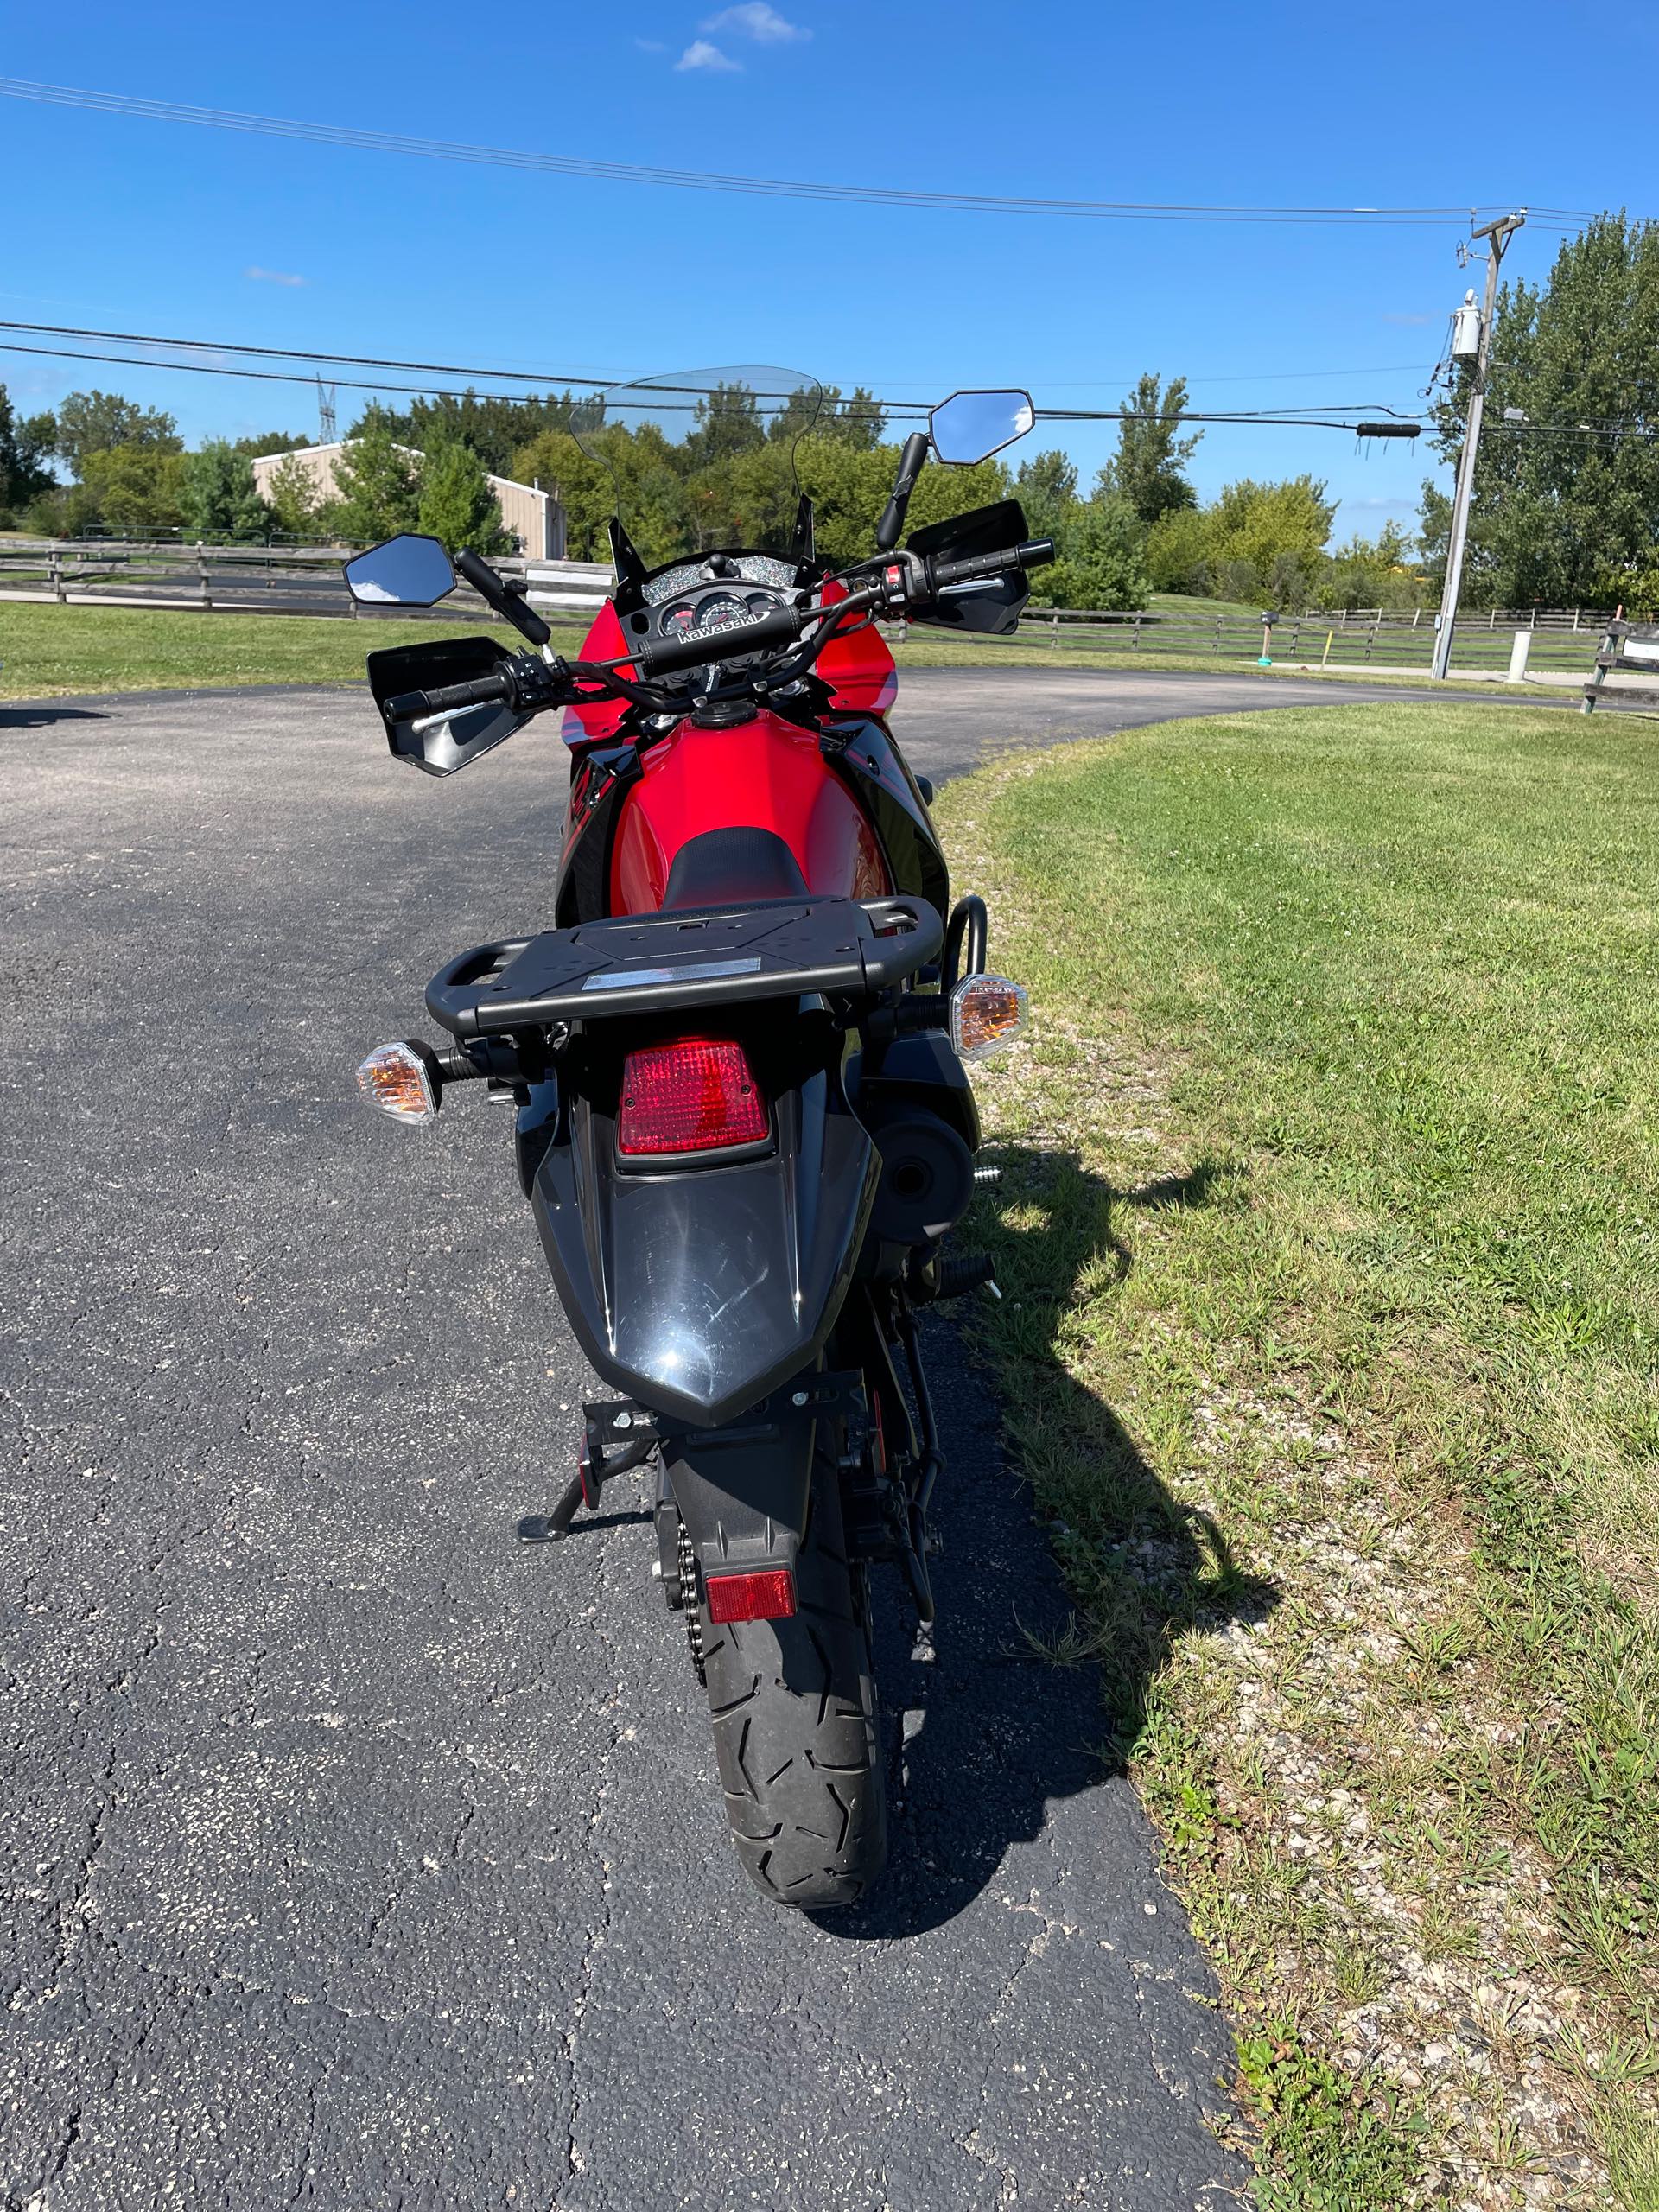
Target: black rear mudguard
[(701, 1292), (696, 1291)]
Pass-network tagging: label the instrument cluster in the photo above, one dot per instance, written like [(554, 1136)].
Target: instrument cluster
[(712, 612), (701, 599)]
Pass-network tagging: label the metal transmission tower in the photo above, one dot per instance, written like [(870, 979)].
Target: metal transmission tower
[(1499, 233), (326, 416)]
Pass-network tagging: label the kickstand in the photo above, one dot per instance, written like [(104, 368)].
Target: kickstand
[(583, 1489)]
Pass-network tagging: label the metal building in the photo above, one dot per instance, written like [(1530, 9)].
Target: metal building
[(534, 519)]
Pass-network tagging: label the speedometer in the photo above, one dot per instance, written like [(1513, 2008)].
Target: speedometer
[(719, 612)]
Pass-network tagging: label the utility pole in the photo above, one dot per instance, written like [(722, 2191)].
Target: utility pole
[(1499, 233)]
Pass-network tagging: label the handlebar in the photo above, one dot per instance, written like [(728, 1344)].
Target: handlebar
[(1035, 553), (781, 627), (530, 683), (483, 690)]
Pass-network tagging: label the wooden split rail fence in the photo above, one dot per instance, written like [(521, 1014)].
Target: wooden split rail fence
[(306, 581)]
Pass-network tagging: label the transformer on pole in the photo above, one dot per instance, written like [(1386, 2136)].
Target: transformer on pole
[(1466, 330)]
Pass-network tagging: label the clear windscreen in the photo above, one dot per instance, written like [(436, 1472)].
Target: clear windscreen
[(698, 458)]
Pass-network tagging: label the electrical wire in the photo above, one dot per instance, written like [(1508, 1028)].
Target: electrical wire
[(1280, 418), (554, 376), (327, 134), (587, 382), (889, 408)]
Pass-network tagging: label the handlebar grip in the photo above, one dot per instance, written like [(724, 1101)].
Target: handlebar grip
[(782, 627), (410, 706), (1007, 560)]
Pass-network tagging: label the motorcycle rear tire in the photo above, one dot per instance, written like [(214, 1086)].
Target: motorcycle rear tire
[(797, 1734)]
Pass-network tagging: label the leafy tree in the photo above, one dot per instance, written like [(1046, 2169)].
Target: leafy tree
[(1147, 468), (90, 422), (1178, 551), (858, 420), (1046, 488), (583, 485), (378, 482), (1366, 572), (269, 441), (23, 447), (218, 498), (496, 428), (1102, 548), (138, 488), (1565, 518), (728, 421), (1258, 540), (297, 508), (457, 505)]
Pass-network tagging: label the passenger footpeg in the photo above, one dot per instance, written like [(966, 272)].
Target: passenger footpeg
[(957, 1275)]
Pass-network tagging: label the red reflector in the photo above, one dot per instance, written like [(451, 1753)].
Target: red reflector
[(696, 1095), (766, 1596)]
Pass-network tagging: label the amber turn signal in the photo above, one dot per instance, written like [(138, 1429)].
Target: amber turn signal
[(397, 1080), (986, 1012)]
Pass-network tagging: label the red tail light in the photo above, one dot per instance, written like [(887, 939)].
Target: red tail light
[(768, 1595), (696, 1095)]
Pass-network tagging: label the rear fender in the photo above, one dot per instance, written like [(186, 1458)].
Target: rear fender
[(743, 1493), (697, 1290)]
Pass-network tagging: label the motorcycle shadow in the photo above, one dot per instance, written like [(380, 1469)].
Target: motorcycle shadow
[(989, 1727)]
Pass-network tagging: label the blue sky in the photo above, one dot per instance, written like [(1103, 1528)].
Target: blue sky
[(137, 224)]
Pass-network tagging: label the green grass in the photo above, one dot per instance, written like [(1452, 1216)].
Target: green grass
[(1185, 607), (1329, 1235), (46, 650)]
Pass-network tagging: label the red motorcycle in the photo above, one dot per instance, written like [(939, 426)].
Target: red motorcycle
[(745, 1125)]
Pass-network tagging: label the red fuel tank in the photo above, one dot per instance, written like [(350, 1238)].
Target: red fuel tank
[(765, 773)]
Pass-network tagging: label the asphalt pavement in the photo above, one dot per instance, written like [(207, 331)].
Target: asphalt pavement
[(356, 1855)]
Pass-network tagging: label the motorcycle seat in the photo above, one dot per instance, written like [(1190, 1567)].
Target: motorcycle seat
[(727, 866)]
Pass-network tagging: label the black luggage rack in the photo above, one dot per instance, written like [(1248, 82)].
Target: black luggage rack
[(660, 963)]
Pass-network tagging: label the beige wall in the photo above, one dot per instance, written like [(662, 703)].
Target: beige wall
[(533, 517)]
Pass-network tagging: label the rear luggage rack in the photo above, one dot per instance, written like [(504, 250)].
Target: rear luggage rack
[(710, 957)]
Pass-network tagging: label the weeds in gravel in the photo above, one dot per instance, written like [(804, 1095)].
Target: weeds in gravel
[(1328, 1230), (1328, 2150)]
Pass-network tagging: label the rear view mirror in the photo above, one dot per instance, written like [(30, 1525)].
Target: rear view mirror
[(407, 571), (971, 426)]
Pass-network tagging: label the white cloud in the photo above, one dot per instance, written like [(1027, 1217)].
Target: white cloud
[(651, 46), (701, 56), (1410, 321), (755, 20), (271, 276)]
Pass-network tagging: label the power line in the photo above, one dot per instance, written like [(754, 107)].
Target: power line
[(297, 353), (329, 134), (1279, 418), (262, 376), (568, 378)]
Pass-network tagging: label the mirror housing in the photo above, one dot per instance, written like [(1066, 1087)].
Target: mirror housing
[(409, 570), (971, 426)]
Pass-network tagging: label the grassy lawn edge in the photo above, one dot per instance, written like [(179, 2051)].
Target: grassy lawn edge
[(1328, 1353), (63, 651)]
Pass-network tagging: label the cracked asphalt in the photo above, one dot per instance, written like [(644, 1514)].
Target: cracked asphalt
[(354, 1854)]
